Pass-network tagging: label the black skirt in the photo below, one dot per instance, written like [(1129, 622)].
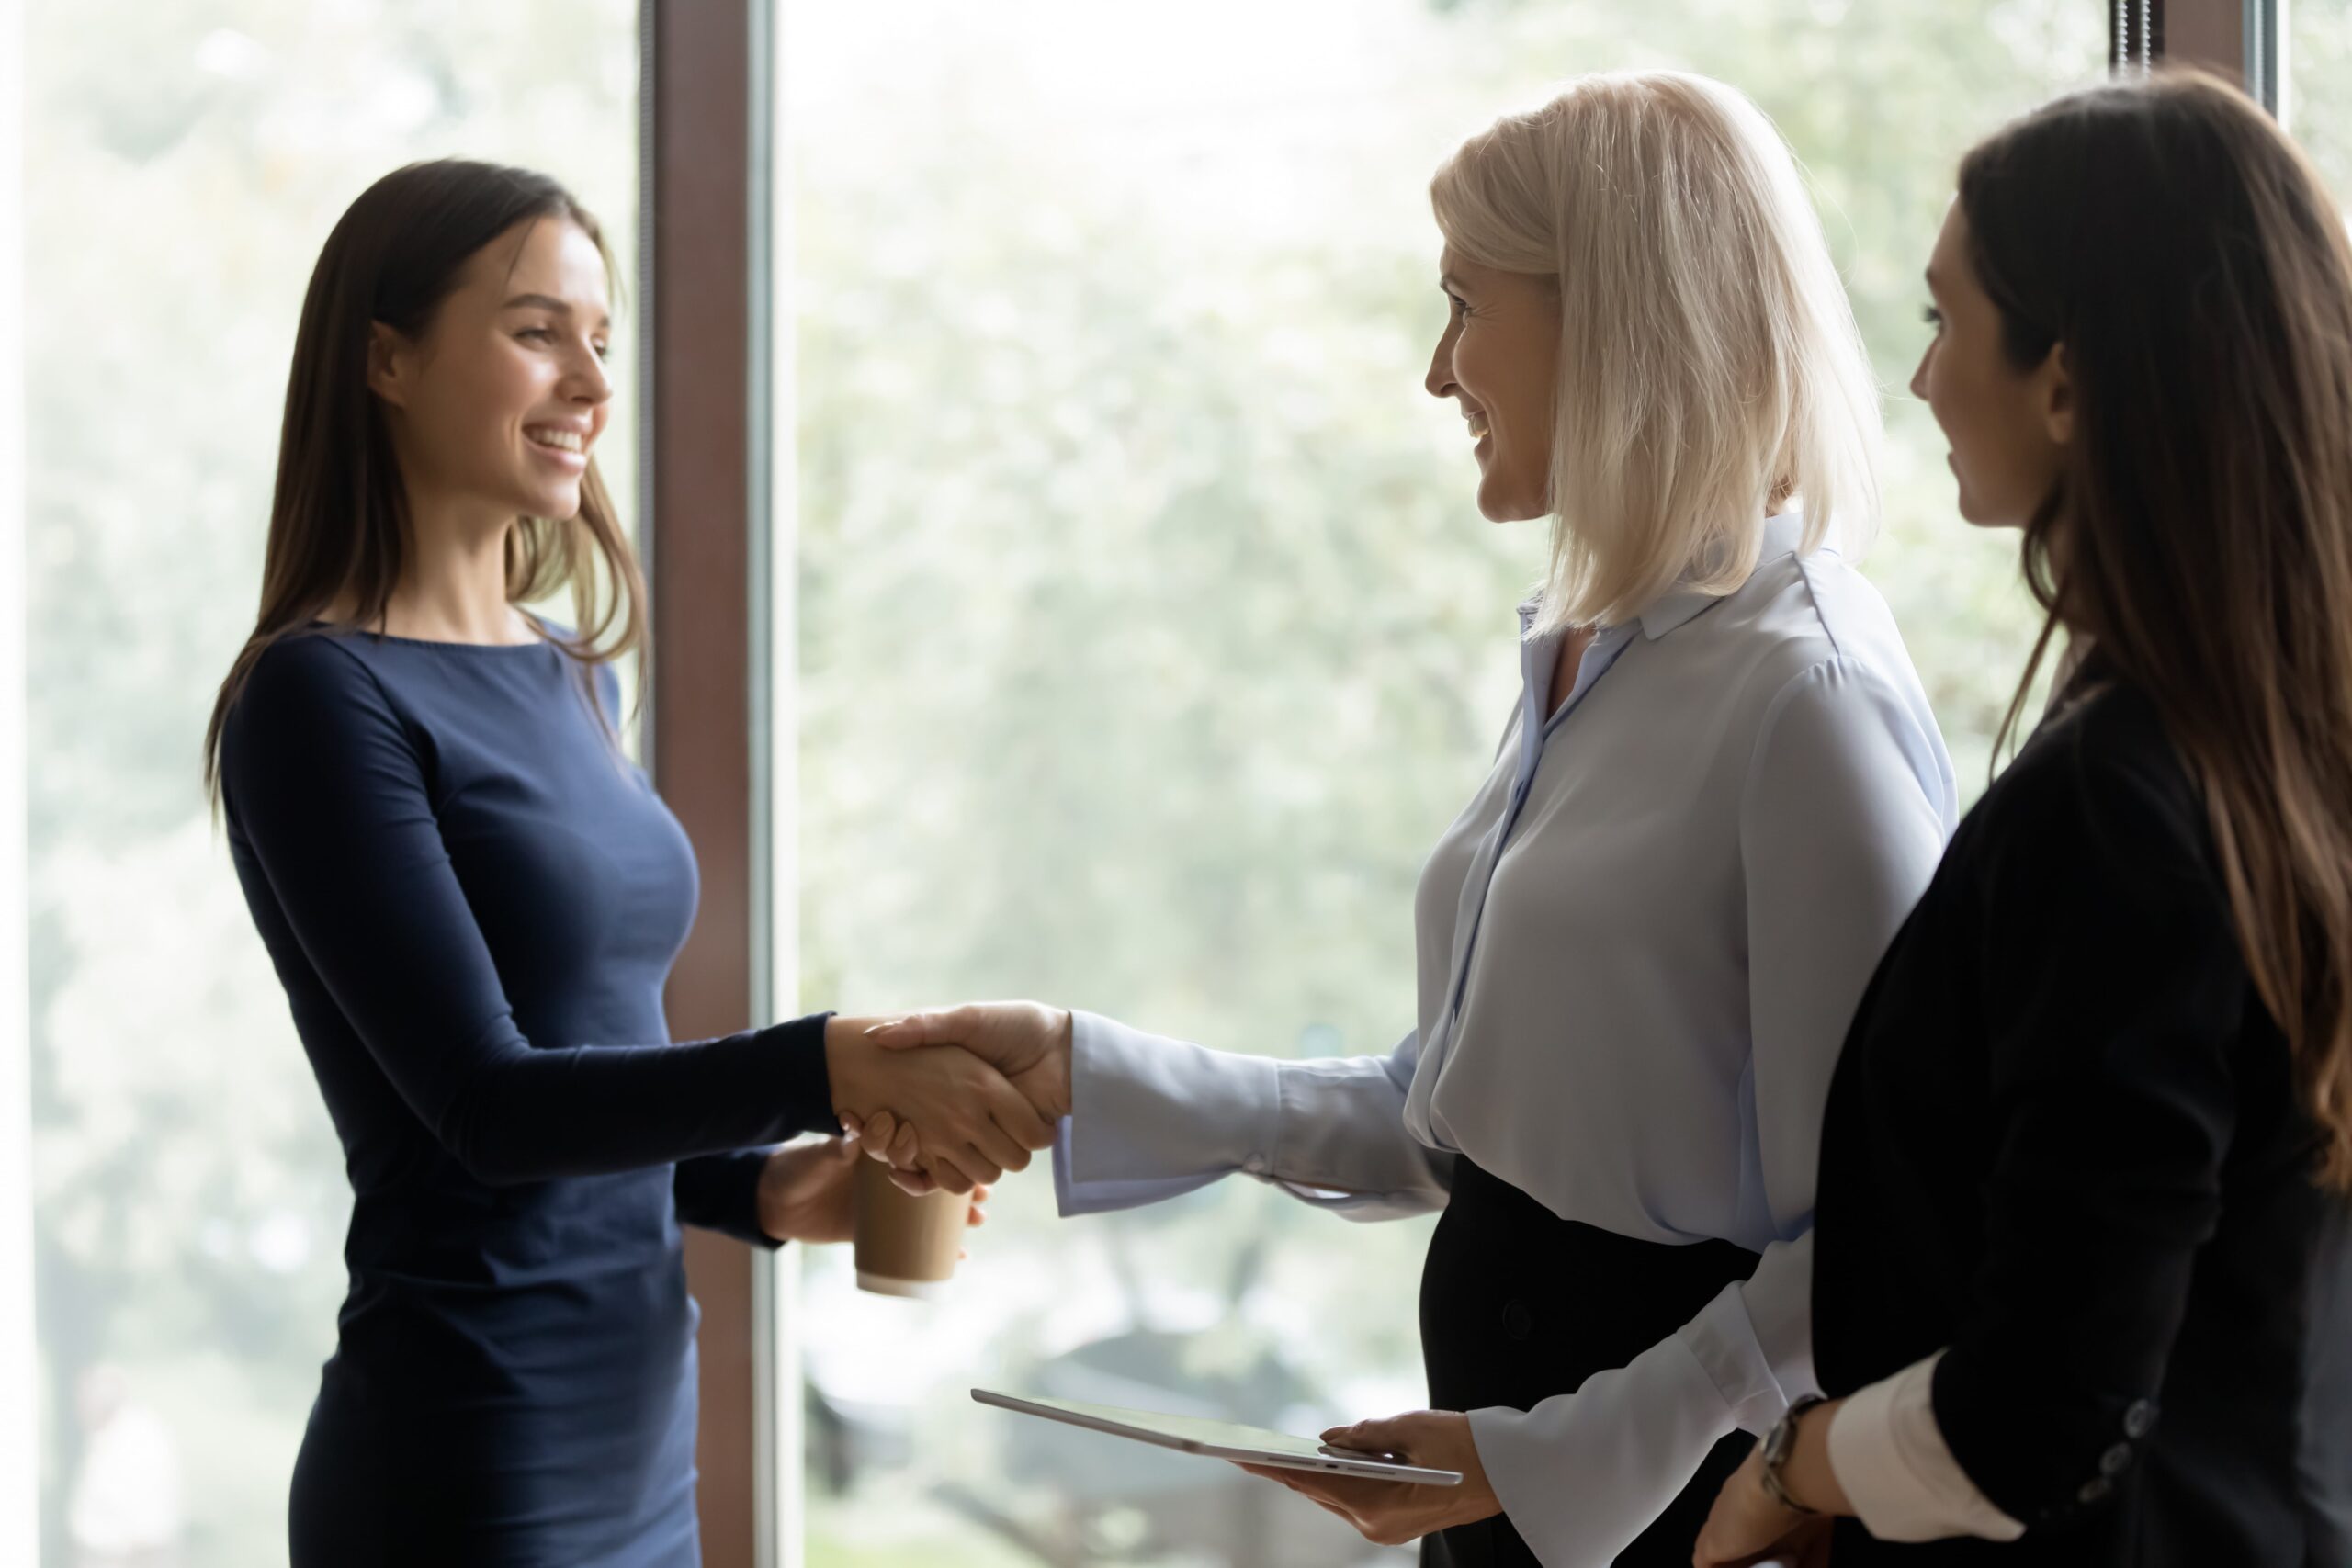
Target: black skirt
[(1518, 1305)]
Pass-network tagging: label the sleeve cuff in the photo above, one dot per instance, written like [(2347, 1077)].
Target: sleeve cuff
[(1728, 1342), (1582, 1474), (1894, 1465), (1152, 1118), (721, 1192), (803, 1084)]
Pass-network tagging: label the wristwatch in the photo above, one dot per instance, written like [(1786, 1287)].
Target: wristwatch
[(1777, 1447)]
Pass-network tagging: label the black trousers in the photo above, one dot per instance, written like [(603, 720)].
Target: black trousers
[(1518, 1305)]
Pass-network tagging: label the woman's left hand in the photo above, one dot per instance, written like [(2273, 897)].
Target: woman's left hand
[(1747, 1524), (1394, 1512), (805, 1191)]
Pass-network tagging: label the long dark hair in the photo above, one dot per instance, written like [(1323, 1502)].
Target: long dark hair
[(338, 518), (2187, 257)]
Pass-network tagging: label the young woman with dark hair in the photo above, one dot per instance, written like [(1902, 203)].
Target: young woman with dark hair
[(473, 900), (2083, 1267)]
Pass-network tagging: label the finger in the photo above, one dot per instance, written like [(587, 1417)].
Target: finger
[(1268, 1472), (1384, 1436), (947, 1026), (991, 1143), (873, 1136), (976, 1163), (913, 1184), (1019, 1121), (906, 1146), (977, 1217), (946, 1171), (851, 1126), (842, 1150), (898, 1033)]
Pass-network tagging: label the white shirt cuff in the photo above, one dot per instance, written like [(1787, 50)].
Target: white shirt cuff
[(1894, 1465)]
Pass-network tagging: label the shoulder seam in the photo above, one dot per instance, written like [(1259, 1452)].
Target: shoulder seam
[(1811, 673)]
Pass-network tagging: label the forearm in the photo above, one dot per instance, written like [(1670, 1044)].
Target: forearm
[(1153, 1117), (514, 1115)]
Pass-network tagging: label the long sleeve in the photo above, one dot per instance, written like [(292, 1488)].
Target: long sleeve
[(328, 789), (2115, 998), (721, 1192), (1152, 1118), (1846, 808)]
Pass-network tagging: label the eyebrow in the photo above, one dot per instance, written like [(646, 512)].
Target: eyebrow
[(1449, 283), (546, 302)]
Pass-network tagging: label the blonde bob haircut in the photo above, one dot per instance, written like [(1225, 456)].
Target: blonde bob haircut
[(1710, 370)]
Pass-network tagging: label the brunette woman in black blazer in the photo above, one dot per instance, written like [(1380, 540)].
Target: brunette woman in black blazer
[(2082, 1286)]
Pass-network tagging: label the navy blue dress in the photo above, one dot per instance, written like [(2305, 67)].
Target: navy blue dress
[(473, 901)]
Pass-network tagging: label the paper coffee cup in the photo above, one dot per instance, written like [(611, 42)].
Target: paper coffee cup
[(905, 1246)]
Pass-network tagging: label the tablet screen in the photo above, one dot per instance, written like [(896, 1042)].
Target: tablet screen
[(1189, 1428)]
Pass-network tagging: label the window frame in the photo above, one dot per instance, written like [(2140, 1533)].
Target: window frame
[(2244, 40), (708, 739), (19, 1432)]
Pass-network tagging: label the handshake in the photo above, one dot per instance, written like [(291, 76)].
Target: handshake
[(956, 1097)]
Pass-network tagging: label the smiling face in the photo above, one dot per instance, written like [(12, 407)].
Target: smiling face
[(1497, 359), (495, 409), (2008, 428)]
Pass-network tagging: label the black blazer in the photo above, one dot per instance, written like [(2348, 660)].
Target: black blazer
[(2064, 1141)]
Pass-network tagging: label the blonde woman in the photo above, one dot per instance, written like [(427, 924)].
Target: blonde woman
[(1640, 942)]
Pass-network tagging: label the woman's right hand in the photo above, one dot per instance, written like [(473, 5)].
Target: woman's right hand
[(976, 1125), (1029, 1042)]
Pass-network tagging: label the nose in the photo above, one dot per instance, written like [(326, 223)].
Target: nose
[(587, 382), (1438, 382), (1919, 375)]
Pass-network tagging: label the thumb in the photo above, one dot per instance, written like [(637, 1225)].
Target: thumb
[(842, 1151), (1382, 1436), (932, 1026), (907, 1032)]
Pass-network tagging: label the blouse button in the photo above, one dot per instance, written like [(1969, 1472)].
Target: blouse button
[(2094, 1490), (2116, 1460), (2139, 1418), (1518, 1322)]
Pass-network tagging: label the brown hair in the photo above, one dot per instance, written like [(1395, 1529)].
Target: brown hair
[(338, 517), (2196, 271)]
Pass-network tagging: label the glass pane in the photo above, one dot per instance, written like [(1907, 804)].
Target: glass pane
[(1148, 635), (2319, 69), (186, 164)]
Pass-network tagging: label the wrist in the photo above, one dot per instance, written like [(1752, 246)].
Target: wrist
[(849, 1063), (1807, 1477)]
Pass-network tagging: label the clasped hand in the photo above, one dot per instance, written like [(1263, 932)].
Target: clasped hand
[(952, 1098)]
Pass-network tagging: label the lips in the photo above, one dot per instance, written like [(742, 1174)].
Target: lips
[(558, 438)]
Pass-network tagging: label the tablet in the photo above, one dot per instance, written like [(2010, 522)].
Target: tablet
[(1218, 1440)]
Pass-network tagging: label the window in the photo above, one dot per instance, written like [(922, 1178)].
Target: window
[(2319, 61), (1146, 635), (186, 163)]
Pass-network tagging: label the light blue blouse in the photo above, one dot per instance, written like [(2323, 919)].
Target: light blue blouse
[(1638, 950)]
